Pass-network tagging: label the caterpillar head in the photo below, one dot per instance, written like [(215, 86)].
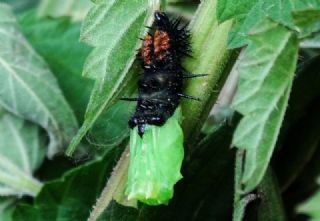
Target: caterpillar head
[(161, 19)]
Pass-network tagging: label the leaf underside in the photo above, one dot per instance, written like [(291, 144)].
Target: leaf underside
[(28, 88)]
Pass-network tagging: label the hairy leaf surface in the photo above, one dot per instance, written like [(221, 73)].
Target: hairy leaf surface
[(112, 27), (266, 75), (28, 88)]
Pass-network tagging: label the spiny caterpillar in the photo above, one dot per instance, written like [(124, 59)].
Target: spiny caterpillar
[(160, 88)]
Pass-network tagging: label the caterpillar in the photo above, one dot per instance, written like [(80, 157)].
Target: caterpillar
[(161, 85)]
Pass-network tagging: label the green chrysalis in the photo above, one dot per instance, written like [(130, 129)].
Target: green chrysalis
[(155, 162)]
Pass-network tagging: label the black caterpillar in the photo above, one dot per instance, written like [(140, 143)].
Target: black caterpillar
[(160, 88)]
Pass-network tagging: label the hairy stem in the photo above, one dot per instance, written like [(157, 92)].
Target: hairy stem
[(211, 57), (111, 188)]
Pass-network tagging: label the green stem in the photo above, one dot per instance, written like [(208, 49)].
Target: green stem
[(240, 203), (112, 186), (211, 56)]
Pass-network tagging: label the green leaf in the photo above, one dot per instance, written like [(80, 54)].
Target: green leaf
[(247, 15), (305, 4), (56, 40), (312, 42), (299, 146), (113, 28), (20, 6), (227, 9), (271, 207), (76, 9), (6, 208), (307, 21), (155, 161), (21, 152), (28, 88), (71, 196), (116, 129), (311, 207), (266, 76)]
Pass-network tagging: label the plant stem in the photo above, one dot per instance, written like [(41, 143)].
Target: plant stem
[(211, 56), (111, 188)]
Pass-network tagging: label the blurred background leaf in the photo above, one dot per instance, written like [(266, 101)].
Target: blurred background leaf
[(76, 9), (21, 152), (72, 195), (28, 88)]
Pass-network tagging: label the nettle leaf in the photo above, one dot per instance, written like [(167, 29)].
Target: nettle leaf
[(305, 4), (227, 9), (71, 196), (311, 206), (28, 88), (45, 35), (113, 28), (266, 75), (313, 42), (247, 15), (6, 208), (21, 152), (57, 41), (308, 21), (110, 134), (76, 9)]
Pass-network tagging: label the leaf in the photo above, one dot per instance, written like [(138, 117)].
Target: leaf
[(266, 76), (6, 208), (306, 4), (56, 40), (21, 152), (71, 196), (299, 144), (155, 161), (20, 6), (115, 39), (45, 36), (76, 9), (28, 88), (308, 22), (277, 10), (227, 9), (271, 207), (313, 42), (311, 207), (112, 133)]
